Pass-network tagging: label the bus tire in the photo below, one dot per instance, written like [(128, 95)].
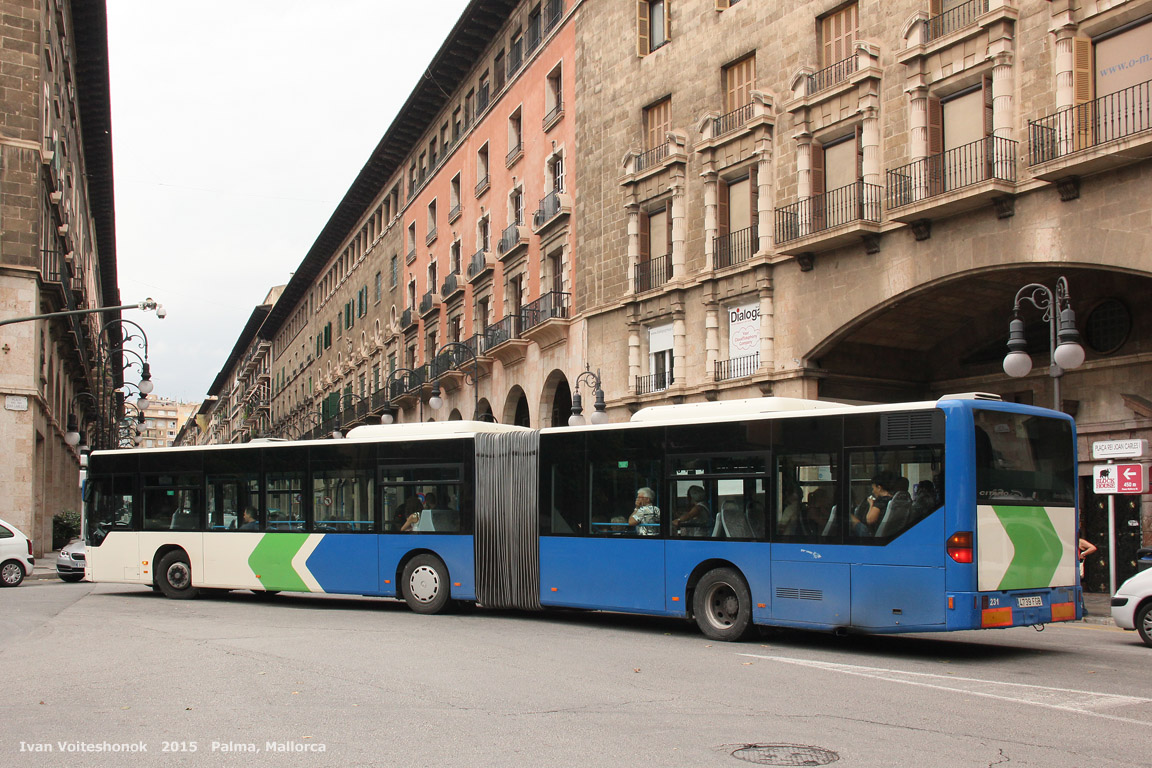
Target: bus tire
[(174, 577), (426, 586), (722, 605), (1144, 623)]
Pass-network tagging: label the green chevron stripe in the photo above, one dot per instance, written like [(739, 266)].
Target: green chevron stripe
[(1036, 544), (271, 561)]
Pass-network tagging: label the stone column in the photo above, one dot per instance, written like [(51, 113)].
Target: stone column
[(711, 338), (1002, 108), (767, 331), (870, 144), (633, 214), (633, 356), (918, 138), (764, 198), (679, 349), (803, 177), (679, 227), (711, 209)]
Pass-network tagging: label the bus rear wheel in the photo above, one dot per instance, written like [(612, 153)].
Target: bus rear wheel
[(722, 605), (174, 576), (426, 584)]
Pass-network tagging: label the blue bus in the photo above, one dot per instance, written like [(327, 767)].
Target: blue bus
[(920, 517)]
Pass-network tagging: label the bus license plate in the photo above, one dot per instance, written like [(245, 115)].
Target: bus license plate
[(1029, 602)]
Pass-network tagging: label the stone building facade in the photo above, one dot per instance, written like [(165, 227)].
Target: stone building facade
[(813, 199), (57, 246)]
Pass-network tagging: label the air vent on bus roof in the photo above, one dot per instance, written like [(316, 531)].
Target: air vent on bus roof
[(971, 396), (909, 428)]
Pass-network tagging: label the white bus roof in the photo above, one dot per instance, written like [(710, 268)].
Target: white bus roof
[(723, 408), (428, 429)]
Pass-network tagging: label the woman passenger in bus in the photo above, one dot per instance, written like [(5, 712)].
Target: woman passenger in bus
[(866, 518), (646, 516), (697, 519), (413, 508)]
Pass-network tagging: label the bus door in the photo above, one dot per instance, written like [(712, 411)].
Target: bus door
[(811, 583)]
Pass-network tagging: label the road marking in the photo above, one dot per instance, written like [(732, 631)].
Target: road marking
[(1064, 699)]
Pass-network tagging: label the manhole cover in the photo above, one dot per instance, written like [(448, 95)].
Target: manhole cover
[(785, 754)]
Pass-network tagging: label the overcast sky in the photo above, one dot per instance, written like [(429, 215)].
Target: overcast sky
[(238, 125)]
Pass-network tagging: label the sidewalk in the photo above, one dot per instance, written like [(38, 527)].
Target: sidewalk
[(1097, 605)]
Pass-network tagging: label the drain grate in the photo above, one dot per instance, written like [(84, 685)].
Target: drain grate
[(785, 754)]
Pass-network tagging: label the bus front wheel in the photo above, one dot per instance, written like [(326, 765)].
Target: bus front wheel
[(722, 604), (426, 584), (175, 576)]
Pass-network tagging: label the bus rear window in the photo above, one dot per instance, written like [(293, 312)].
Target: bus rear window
[(1024, 459)]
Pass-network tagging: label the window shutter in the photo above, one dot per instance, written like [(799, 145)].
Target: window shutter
[(645, 237), (722, 213), (753, 192), (989, 127), (935, 146), (817, 154), (1083, 88), (643, 44), (859, 152)]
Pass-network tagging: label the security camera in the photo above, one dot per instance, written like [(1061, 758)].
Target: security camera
[(161, 312)]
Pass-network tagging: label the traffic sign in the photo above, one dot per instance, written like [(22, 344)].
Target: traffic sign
[(1119, 449), (1119, 478)]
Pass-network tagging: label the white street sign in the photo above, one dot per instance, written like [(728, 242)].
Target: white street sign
[(1120, 449)]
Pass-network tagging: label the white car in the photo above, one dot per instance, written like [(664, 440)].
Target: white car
[(71, 560), (1132, 605), (16, 559)]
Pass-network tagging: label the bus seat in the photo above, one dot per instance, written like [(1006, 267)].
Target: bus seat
[(895, 516), (445, 519), (830, 526)]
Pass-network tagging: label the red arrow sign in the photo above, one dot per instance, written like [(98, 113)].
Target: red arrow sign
[(1130, 478)]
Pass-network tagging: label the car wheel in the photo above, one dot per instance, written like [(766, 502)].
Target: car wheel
[(722, 604), (174, 576), (11, 574), (73, 577), (1144, 623), (425, 582)]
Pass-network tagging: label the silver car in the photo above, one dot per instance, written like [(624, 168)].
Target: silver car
[(71, 561)]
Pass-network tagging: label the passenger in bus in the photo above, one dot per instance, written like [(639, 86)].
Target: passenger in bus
[(413, 508), (251, 523), (789, 523), (697, 519), (924, 499), (817, 512), (646, 516), (866, 517)]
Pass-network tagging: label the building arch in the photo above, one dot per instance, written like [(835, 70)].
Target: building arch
[(555, 400), (516, 409)]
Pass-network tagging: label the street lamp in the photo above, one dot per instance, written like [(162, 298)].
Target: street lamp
[(386, 416), (472, 377), (599, 414), (1063, 338)]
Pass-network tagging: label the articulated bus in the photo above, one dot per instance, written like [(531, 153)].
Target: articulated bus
[(923, 517)]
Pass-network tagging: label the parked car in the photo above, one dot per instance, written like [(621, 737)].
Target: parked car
[(1132, 605), (16, 559), (71, 560)]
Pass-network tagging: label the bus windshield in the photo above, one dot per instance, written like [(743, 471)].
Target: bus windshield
[(1024, 459)]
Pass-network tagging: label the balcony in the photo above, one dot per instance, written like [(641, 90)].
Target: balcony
[(482, 185), (735, 247), (454, 213), (452, 284), (651, 158), (833, 74), (503, 340), (407, 319), (1104, 133), (513, 240), (545, 321), (960, 179), (429, 303), (553, 10), (657, 382), (653, 273), (514, 154), (553, 208), (953, 19), (480, 265), (827, 221), (430, 237), (737, 367), (411, 257), (482, 98), (732, 121), (553, 116)]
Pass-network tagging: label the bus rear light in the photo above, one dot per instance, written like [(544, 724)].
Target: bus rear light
[(1063, 611), (959, 546), (996, 617)]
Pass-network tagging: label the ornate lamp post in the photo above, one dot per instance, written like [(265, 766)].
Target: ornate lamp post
[(1063, 338), (472, 377), (599, 414), (386, 416)]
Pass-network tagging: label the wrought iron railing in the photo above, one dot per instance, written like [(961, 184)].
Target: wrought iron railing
[(426, 302), (51, 265), (853, 202), (653, 273), (509, 239), (1084, 126), (732, 120), (736, 247), (482, 185), (514, 153), (453, 212), (548, 210), (652, 157), (737, 367), (483, 95), (407, 318), (550, 305), (515, 57), (831, 75), (478, 343), (553, 113), (478, 264), (981, 160), (499, 332), (553, 10), (655, 382), (953, 19), (451, 284)]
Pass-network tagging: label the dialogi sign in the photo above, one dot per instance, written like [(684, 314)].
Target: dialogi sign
[(1119, 478)]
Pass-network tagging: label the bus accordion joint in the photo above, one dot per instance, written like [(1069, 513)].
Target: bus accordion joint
[(959, 546)]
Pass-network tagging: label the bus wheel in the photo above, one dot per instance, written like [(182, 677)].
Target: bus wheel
[(426, 584), (175, 576), (722, 604)]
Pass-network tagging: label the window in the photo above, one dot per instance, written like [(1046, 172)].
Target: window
[(454, 196), (556, 173), (532, 37), (1023, 460), (515, 52), (890, 490), (655, 233), (718, 496), (377, 285), (456, 127), (499, 74), (515, 136), (737, 236), (454, 258), (423, 499), (660, 359), (483, 93), (738, 81), (432, 153), (652, 25), (431, 222), (837, 33), (172, 502), (432, 276), (555, 264), (342, 500), (228, 496), (657, 123), (553, 95), (469, 107), (516, 206), (393, 271), (481, 169), (484, 234), (412, 241)]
